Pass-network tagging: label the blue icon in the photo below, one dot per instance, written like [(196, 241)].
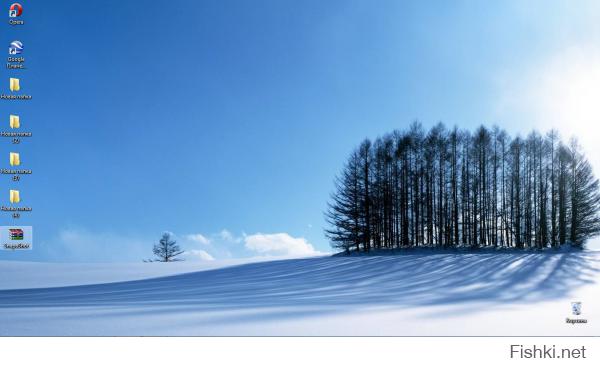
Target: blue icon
[(16, 47), (576, 308)]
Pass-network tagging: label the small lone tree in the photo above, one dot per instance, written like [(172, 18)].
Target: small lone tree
[(166, 250)]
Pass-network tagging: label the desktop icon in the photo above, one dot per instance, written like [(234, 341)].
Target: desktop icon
[(15, 122), (14, 196), (15, 10), (15, 159), (15, 234), (15, 48), (15, 85), (576, 308)]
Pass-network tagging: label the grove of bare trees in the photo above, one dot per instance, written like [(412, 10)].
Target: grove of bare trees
[(454, 188)]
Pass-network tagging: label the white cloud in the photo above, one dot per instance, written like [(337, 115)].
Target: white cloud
[(82, 245), (279, 244), (199, 238), (202, 255), (76, 244), (228, 236)]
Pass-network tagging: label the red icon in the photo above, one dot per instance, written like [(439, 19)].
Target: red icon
[(15, 10)]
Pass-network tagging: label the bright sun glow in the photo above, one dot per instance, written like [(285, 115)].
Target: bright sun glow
[(562, 93)]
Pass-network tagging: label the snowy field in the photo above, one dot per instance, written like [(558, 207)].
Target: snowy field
[(21, 274), (408, 294)]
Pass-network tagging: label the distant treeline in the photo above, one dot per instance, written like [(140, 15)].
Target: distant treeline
[(447, 188)]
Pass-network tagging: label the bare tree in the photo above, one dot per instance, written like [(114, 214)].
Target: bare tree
[(585, 198), (442, 187), (166, 250)]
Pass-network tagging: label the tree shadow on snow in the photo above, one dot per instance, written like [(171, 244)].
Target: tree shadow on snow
[(312, 286)]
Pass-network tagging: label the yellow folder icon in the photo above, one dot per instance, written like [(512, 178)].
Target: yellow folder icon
[(14, 85), (15, 123), (15, 160), (14, 196)]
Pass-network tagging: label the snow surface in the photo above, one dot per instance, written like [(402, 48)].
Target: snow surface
[(21, 274), (408, 294)]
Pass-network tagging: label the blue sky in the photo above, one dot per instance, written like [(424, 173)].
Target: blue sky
[(225, 122)]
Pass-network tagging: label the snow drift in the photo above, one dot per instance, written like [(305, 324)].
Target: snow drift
[(408, 294)]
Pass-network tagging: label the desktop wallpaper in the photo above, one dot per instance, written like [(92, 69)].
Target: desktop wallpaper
[(311, 168)]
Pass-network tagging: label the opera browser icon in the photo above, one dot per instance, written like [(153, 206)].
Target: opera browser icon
[(15, 10)]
